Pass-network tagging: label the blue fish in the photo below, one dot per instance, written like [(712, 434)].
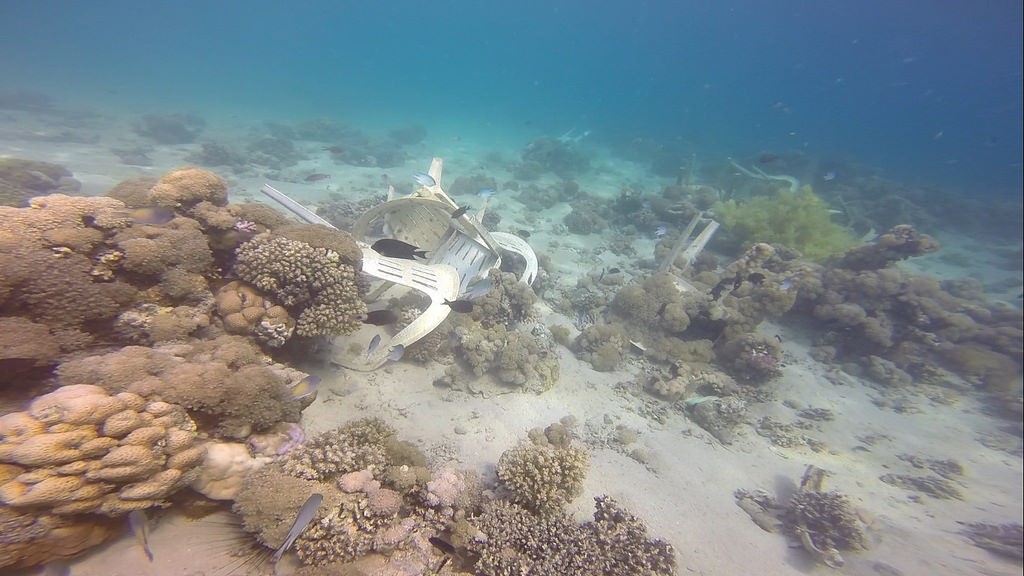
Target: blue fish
[(829, 176), (395, 354), (786, 284), (486, 193), (424, 179), (661, 230)]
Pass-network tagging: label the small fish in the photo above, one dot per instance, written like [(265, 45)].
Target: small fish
[(460, 211), (722, 285), (522, 233), (398, 249), (478, 289), (152, 216), (829, 176), (306, 387), (335, 150), (614, 270), (737, 280), (380, 317), (779, 338), (786, 284), (316, 177), (756, 278), (661, 309), (302, 520), (395, 354), (374, 342), (486, 193), (661, 230), (442, 545), (768, 158), (424, 179), (461, 306), (138, 524)]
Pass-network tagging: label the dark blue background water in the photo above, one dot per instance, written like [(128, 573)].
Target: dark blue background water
[(928, 89)]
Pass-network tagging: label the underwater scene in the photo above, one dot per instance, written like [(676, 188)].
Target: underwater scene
[(536, 288)]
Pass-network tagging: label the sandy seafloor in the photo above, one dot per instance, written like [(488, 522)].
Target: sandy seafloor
[(684, 491)]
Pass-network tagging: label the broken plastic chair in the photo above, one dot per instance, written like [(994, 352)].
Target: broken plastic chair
[(460, 252), (690, 249)]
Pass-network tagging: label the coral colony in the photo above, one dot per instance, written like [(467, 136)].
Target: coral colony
[(146, 334)]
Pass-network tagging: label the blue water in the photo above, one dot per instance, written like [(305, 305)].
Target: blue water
[(929, 91)]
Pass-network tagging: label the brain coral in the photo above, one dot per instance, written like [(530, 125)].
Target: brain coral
[(314, 283), (80, 450)]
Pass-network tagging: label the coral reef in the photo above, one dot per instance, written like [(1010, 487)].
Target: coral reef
[(751, 358), (315, 284), (718, 415), (553, 155), (274, 152), (224, 468), (227, 386), (543, 478), (245, 311), (615, 543), (798, 220), (378, 500), (912, 322), (1003, 539), (824, 522), (186, 187), (365, 444), (899, 243), (22, 179), (170, 128), (81, 451)]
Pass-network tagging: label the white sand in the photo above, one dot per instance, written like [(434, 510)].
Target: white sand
[(685, 492)]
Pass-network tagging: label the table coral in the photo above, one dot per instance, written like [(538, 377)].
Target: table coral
[(314, 284)]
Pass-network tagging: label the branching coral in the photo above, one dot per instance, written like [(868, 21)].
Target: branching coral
[(543, 478), (359, 445), (376, 500), (508, 302), (315, 284), (616, 543)]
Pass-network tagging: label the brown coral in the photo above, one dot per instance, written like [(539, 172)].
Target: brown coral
[(225, 383), (54, 458), (187, 187)]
